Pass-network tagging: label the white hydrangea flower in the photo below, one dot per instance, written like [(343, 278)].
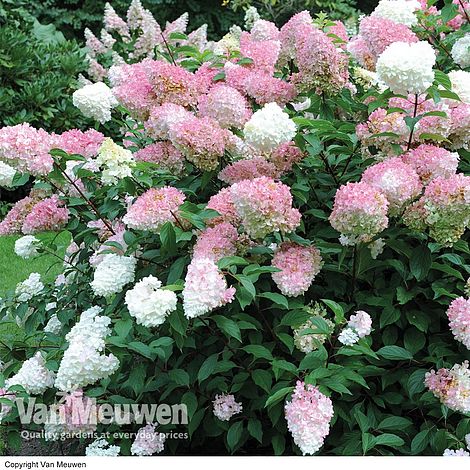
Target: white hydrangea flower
[(7, 173), (348, 337), (112, 274), (148, 441), (225, 406), (102, 448), (251, 17), (456, 453), (33, 376), (467, 441), (461, 51), (461, 84), (50, 306), (116, 162), (399, 11), (205, 288), (95, 101), (407, 68), (269, 127), (376, 247), (30, 287), (360, 323), (53, 325), (84, 362), (26, 247), (148, 303)]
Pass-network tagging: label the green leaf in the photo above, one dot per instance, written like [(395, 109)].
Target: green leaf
[(168, 237), (234, 434), (258, 351), (337, 310), (394, 353), (420, 442), (389, 440), (395, 422), (228, 326), (255, 429), (415, 382), (420, 262), (276, 298), (263, 379), (276, 397), (179, 376), (207, 368)]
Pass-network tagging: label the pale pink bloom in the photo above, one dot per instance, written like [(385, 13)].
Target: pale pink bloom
[(308, 416), (248, 169), (458, 314), (451, 386), (359, 211), (361, 323), (163, 154), (216, 242), (78, 142), (225, 406), (398, 181), (222, 202), (154, 208), (205, 288), (298, 267), (47, 215), (264, 206), (148, 441), (432, 162)]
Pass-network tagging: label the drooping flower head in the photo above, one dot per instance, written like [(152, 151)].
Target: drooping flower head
[(451, 386), (154, 208), (150, 304), (359, 211), (47, 215), (225, 406), (308, 416), (458, 314), (432, 162), (298, 267), (112, 274), (398, 181), (264, 206), (205, 288)]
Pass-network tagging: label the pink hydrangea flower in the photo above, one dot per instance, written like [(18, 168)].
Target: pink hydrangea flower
[(289, 33), (298, 267), (458, 314), (398, 181), (321, 65), (78, 142), (154, 208), (432, 162), (380, 122), (113, 22), (26, 148), (205, 288), (264, 206), (163, 117), (361, 323), (216, 242), (163, 154), (264, 53), (47, 215), (444, 209), (14, 220), (263, 30), (285, 156), (226, 105), (225, 406), (308, 416), (148, 441), (378, 33), (222, 202), (359, 211), (201, 140), (339, 30), (460, 126), (451, 386), (248, 169)]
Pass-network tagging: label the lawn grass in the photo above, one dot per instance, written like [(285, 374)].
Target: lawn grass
[(14, 269)]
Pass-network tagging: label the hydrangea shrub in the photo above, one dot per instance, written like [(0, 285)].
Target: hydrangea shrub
[(290, 262)]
